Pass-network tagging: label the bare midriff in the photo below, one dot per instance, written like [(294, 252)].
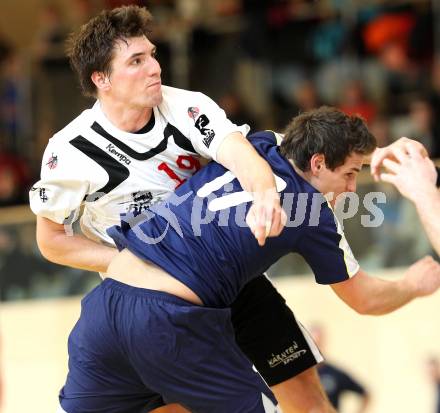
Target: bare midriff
[(126, 268)]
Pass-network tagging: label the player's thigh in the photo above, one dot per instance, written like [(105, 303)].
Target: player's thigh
[(101, 378), (192, 359), (268, 333)]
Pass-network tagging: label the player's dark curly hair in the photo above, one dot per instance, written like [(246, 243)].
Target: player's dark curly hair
[(326, 131), (91, 48)]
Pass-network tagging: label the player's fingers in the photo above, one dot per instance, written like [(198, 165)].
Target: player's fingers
[(399, 153), (376, 161), (415, 146), (253, 219), (416, 150), (391, 165), (272, 227), (388, 178), (250, 220), (278, 222)]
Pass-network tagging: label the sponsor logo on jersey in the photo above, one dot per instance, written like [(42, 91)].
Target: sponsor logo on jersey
[(200, 123), (289, 354), (141, 201), (43, 197), (52, 162), (121, 156), (41, 193), (193, 112)]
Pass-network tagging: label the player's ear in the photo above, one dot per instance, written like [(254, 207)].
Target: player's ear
[(317, 163), (101, 80)]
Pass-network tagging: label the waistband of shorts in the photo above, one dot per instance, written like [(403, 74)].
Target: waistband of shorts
[(111, 284)]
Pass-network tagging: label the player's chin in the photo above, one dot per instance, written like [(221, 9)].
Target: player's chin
[(155, 99)]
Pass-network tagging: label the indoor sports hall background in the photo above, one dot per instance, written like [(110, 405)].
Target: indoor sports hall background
[(263, 62)]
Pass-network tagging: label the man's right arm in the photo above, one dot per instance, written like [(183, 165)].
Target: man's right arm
[(71, 250), (374, 296)]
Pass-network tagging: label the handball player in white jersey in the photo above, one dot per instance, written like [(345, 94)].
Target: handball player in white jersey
[(137, 144)]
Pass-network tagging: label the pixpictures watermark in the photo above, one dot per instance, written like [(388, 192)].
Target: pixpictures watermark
[(188, 214)]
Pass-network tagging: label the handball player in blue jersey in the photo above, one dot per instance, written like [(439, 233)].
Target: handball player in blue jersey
[(158, 327)]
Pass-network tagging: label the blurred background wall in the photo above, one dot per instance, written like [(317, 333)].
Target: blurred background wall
[(263, 62)]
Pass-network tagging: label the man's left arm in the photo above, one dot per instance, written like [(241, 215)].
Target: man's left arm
[(266, 217), (415, 177)]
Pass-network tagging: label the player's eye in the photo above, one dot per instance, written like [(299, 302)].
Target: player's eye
[(136, 61)]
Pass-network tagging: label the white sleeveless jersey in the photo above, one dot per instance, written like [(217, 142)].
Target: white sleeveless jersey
[(91, 164)]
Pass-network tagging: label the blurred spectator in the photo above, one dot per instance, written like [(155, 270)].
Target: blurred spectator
[(418, 123), (434, 98), (81, 11), (354, 102), (50, 37), (388, 36), (433, 365), (13, 180), (337, 382), (111, 4), (302, 98), (236, 110), (380, 128), (13, 103)]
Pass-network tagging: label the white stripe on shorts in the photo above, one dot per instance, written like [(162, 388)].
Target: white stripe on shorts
[(315, 349), (269, 407)]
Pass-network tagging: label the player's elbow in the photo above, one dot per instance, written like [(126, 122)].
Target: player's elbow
[(368, 307), (47, 249), (48, 243)]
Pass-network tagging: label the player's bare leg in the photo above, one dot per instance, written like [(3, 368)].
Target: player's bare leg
[(303, 394)]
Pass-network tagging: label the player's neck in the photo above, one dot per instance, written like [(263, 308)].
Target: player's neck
[(305, 175), (125, 118)]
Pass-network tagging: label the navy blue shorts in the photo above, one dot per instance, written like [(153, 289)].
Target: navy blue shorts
[(132, 350)]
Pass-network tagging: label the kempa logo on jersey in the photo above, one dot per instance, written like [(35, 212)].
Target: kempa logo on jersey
[(122, 157), (289, 354)]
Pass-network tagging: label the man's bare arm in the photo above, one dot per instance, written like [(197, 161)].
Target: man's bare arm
[(374, 296), (415, 177), (266, 217), (392, 152), (71, 250)]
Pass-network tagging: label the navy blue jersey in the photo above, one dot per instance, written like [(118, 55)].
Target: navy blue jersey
[(200, 237)]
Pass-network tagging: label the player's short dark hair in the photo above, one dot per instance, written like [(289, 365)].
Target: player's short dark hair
[(91, 48), (326, 131)]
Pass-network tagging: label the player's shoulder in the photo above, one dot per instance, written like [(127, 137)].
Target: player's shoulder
[(174, 98), (266, 135), (73, 128)]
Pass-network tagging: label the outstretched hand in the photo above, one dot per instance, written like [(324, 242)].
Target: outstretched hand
[(413, 174), (393, 152)]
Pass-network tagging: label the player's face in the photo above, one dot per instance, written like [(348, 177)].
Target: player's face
[(135, 74), (341, 179)]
